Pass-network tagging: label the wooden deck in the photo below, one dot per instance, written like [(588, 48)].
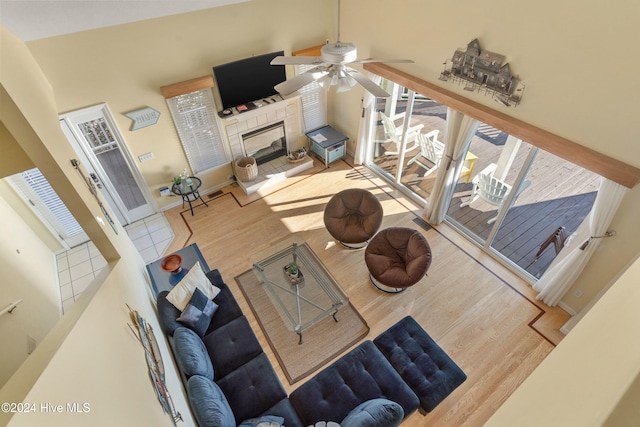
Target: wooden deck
[(560, 194)]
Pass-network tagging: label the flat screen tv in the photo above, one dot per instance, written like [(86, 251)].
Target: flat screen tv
[(249, 79)]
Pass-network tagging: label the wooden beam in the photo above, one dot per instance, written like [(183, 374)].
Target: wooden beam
[(310, 51), (188, 86), (603, 165)]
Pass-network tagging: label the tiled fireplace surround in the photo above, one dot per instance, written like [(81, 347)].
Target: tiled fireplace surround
[(287, 111)]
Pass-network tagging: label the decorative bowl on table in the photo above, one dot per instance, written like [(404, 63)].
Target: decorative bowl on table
[(172, 263)]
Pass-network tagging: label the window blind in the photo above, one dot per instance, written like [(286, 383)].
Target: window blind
[(194, 117), (314, 102), (34, 188), (313, 97)]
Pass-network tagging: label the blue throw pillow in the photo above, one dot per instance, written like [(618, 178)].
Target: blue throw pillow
[(253, 422), (191, 354), (198, 312), (209, 404), (375, 413)]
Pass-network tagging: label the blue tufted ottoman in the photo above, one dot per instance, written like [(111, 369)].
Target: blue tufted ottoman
[(424, 366), (359, 376)]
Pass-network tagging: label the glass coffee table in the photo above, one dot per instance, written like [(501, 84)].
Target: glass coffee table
[(303, 300)]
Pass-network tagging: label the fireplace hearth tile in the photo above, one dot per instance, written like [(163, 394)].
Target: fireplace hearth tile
[(274, 171)]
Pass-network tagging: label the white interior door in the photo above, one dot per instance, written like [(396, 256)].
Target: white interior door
[(36, 191), (105, 156)]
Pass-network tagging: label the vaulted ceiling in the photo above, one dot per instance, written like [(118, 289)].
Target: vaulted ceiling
[(37, 19)]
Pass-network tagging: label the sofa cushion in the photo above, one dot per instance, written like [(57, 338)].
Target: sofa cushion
[(231, 345), (425, 366), (252, 388), (191, 355), (167, 314), (228, 307), (374, 413), (181, 294), (208, 403), (360, 375), (198, 313), (272, 420), (284, 409)]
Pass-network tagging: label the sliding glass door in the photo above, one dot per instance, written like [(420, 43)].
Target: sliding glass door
[(516, 201), (521, 203), (408, 142)]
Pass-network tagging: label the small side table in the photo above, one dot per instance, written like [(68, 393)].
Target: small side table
[(163, 280), (328, 143), (189, 192)]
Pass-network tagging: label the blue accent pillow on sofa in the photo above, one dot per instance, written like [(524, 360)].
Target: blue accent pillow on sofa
[(198, 312), (191, 354), (374, 413), (208, 403)]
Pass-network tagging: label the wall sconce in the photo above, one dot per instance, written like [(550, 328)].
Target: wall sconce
[(480, 70)]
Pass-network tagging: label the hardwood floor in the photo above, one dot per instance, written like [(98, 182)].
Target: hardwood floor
[(483, 316)]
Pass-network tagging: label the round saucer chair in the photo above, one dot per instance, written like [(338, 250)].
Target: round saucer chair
[(353, 217), (397, 258)]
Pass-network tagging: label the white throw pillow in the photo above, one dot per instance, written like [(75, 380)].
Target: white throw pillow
[(181, 294)]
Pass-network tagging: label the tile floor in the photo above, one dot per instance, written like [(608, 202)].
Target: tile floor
[(78, 266), (151, 236)]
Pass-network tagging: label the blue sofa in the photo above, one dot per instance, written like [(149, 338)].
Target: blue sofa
[(230, 381)]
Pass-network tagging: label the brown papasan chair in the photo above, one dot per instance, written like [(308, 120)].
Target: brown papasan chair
[(397, 258), (352, 217)]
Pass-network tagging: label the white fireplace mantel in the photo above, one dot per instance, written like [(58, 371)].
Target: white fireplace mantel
[(288, 111)]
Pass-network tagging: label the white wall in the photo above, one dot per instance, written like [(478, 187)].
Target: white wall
[(28, 273), (100, 361)]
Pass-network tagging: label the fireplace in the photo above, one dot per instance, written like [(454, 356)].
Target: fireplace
[(267, 133), (266, 143)]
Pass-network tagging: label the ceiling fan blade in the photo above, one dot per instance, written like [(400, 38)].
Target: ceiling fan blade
[(365, 61), (296, 60), (289, 86), (367, 84)]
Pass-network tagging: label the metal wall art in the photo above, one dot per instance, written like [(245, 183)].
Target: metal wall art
[(480, 70), (146, 337)]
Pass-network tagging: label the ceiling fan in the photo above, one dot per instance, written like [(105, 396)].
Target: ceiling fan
[(331, 68)]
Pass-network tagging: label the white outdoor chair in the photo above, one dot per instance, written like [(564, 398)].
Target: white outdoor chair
[(393, 134), (491, 189), (431, 150)]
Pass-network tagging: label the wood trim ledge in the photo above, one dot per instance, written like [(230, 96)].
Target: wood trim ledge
[(188, 86)]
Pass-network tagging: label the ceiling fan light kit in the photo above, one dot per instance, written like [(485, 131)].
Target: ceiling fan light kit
[(331, 69), (339, 53)]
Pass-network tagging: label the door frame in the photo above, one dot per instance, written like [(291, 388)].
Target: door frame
[(68, 122)]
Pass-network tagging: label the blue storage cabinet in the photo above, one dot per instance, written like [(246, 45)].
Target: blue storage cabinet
[(328, 143)]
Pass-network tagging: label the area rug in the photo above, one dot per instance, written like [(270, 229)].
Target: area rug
[(321, 342)]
